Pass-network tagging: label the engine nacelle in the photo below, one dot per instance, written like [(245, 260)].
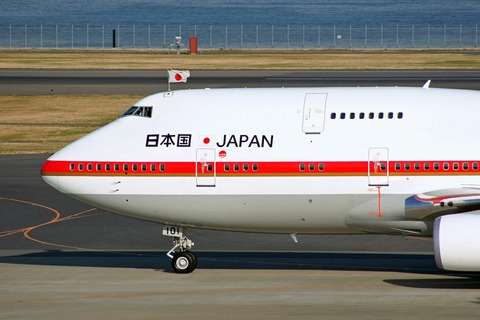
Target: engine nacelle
[(456, 240)]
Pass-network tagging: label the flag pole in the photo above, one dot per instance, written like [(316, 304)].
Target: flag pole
[(168, 81)]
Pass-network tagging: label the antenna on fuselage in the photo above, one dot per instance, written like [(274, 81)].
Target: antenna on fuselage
[(427, 84)]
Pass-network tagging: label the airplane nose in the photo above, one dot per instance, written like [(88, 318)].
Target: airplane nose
[(48, 172)]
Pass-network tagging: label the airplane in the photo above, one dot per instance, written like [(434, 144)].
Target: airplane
[(387, 160)]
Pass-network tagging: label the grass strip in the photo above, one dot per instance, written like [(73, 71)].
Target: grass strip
[(46, 123), (234, 60)]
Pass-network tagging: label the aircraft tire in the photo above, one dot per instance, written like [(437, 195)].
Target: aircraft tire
[(194, 258), (184, 262)]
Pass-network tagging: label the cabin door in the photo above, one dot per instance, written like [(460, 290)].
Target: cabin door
[(314, 113), (205, 167), (378, 167)]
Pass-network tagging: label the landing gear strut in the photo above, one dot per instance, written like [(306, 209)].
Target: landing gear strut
[(183, 260)]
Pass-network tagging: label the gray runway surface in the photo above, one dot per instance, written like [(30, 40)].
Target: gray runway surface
[(148, 81), (60, 258)]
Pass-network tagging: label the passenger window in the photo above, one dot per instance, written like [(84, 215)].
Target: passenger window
[(89, 167), (398, 166), (72, 166), (107, 167), (125, 167), (390, 115), (99, 167), (302, 167), (446, 166), (371, 115), (333, 115), (380, 115), (407, 166), (311, 167), (226, 167), (465, 166), (134, 167), (400, 115), (144, 167), (321, 167), (245, 167), (426, 166), (236, 167), (352, 115), (210, 167), (80, 167), (475, 166), (342, 115), (153, 167), (455, 166), (162, 167), (417, 166), (362, 115), (116, 167), (436, 166), (255, 167)]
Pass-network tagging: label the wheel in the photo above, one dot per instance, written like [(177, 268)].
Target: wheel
[(184, 262), (194, 259)]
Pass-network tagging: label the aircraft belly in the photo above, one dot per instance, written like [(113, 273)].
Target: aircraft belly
[(254, 213), (272, 208)]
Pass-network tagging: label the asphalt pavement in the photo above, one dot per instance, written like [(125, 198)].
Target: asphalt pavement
[(151, 81)]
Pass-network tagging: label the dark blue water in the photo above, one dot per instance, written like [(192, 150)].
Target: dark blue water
[(236, 13)]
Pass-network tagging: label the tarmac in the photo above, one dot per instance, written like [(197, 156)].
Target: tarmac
[(145, 82), (59, 292)]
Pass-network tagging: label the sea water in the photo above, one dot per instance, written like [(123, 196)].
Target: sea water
[(235, 13)]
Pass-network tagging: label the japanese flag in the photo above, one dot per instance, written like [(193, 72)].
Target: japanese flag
[(175, 76)]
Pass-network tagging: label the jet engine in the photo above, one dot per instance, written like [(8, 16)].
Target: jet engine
[(456, 239)]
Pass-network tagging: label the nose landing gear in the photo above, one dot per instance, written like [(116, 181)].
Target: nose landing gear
[(183, 261)]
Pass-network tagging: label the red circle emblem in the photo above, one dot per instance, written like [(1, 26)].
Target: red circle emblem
[(178, 77), (222, 154), (206, 140)]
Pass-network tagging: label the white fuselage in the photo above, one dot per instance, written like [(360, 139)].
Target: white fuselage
[(303, 160)]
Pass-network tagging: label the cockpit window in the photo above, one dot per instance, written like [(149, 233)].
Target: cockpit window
[(139, 111)]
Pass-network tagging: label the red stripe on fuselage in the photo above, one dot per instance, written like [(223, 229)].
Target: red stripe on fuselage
[(251, 168)]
